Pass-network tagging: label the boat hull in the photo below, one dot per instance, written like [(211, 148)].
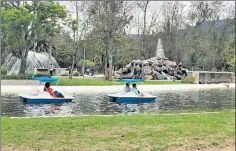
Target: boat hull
[(44, 100), (130, 100)]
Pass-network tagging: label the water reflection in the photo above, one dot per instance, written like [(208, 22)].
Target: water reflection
[(171, 101)]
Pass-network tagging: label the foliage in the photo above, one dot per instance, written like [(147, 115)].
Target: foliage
[(128, 51), (3, 70), (65, 74), (65, 49), (232, 63), (139, 132), (41, 74), (88, 63), (188, 79), (229, 53), (21, 76), (108, 20), (76, 74), (30, 74), (198, 38), (13, 77), (27, 24)]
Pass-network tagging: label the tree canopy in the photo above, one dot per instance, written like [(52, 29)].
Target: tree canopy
[(200, 38)]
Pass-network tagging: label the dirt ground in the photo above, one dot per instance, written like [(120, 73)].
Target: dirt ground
[(228, 147)]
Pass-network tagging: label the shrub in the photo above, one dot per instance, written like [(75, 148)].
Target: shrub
[(40, 74), (20, 76), (3, 70), (188, 79), (65, 74), (232, 63), (88, 63), (76, 74), (13, 77), (29, 74)]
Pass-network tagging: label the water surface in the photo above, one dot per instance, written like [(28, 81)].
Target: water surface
[(97, 104)]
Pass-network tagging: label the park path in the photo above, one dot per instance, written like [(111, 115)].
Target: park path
[(18, 82), (22, 86)]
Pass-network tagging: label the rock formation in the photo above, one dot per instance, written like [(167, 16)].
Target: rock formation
[(156, 68)]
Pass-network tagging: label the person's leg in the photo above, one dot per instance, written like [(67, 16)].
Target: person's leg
[(61, 96), (58, 94)]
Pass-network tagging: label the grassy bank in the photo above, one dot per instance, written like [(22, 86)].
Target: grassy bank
[(101, 82), (88, 81), (115, 133)]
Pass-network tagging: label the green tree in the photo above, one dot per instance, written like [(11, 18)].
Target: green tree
[(28, 24), (229, 53), (64, 46), (108, 20)]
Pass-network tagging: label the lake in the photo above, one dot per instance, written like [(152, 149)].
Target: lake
[(97, 104)]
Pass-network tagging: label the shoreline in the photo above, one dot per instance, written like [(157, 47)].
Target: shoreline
[(116, 115), (113, 89)]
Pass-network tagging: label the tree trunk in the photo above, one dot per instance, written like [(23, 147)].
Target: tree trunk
[(3, 57), (23, 63), (105, 67), (102, 63), (84, 62), (77, 36), (77, 18), (50, 57), (77, 60), (110, 66), (142, 68), (144, 29), (72, 68)]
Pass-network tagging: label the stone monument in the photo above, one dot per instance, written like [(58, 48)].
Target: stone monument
[(155, 68), (160, 51)]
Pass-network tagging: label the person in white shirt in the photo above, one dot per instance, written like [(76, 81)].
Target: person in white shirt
[(127, 88)]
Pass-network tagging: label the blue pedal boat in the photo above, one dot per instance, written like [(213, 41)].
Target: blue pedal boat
[(130, 97), (40, 99), (43, 97)]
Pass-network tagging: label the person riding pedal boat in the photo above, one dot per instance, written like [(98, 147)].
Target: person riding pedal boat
[(127, 88), (135, 90), (55, 94)]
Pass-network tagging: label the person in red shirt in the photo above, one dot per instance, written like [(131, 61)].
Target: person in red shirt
[(49, 90), (55, 94)]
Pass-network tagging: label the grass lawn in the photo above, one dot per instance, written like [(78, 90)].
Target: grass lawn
[(116, 133), (65, 81)]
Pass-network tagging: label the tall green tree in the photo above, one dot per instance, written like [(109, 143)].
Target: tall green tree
[(64, 46), (28, 24), (108, 21)]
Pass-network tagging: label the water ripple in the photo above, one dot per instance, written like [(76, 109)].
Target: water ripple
[(97, 104)]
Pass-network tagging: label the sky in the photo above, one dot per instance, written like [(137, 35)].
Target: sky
[(154, 6)]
